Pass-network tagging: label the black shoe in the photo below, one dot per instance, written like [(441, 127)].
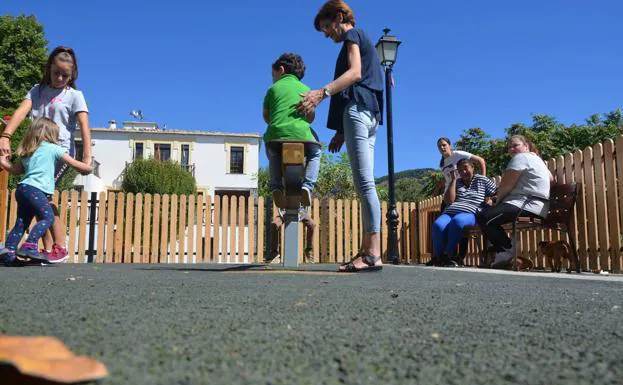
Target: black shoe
[(451, 263)]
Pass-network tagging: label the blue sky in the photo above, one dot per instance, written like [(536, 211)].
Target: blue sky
[(479, 63)]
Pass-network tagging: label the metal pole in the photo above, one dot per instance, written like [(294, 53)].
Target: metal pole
[(392, 214), (92, 213)]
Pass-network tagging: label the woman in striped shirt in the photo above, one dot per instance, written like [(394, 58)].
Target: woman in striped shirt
[(465, 197)]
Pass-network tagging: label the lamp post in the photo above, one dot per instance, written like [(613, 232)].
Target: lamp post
[(387, 49)]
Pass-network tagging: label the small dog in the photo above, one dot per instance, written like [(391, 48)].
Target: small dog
[(555, 252)]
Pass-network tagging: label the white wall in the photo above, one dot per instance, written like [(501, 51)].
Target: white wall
[(208, 152), (111, 149)]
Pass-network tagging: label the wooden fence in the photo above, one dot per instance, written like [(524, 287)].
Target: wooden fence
[(138, 228), (598, 214), (149, 228)]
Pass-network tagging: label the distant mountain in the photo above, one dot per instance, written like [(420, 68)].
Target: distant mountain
[(415, 173)]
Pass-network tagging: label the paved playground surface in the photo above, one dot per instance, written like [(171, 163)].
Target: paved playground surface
[(215, 324)]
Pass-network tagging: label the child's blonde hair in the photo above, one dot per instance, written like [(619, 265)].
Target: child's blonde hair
[(40, 130)]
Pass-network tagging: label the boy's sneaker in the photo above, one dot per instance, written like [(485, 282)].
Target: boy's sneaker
[(278, 198), (58, 254), (29, 250), (306, 197), (309, 256)]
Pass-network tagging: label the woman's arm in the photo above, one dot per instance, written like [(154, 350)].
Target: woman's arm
[(313, 98), (352, 75), (481, 163), (507, 184), (83, 168), (15, 168), (17, 119), (450, 195), (85, 133)]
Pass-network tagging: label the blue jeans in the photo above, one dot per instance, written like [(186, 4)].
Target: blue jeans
[(312, 167), (448, 231), (31, 202), (360, 135)]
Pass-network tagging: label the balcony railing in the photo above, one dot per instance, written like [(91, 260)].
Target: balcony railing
[(187, 167)]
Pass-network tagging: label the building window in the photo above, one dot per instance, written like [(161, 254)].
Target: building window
[(236, 160), (185, 155), (162, 151), (138, 151)]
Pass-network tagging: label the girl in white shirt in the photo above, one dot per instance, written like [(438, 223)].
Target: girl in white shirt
[(449, 159)]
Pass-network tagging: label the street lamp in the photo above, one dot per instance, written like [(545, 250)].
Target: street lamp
[(387, 49)]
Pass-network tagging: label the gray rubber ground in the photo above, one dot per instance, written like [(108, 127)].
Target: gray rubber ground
[(209, 324)]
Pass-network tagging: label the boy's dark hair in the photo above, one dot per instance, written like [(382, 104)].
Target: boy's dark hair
[(292, 63)]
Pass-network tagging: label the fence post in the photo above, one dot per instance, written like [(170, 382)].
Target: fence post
[(417, 233), (92, 213)]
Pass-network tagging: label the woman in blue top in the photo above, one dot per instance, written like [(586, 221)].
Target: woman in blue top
[(355, 111)]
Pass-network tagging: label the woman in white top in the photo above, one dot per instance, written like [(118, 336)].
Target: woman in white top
[(524, 189), (450, 158)]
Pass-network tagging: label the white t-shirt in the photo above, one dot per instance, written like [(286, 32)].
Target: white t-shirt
[(533, 181), (61, 106), (449, 165)]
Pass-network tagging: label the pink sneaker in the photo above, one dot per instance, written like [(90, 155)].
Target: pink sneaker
[(58, 254)]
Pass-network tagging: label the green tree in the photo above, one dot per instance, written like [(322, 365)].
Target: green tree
[(407, 190), (382, 191), (66, 182), (24, 53), (474, 140), (156, 177), (262, 178), (335, 179), (551, 138)]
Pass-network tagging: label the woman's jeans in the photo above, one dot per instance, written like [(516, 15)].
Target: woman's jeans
[(448, 231), (360, 135), (312, 167)]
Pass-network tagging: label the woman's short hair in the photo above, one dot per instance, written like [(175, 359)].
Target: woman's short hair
[(331, 9), (292, 64), (464, 161)]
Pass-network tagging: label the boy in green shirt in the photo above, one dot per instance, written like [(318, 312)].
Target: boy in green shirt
[(285, 123)]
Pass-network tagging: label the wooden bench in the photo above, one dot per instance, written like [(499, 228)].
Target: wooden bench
[(559, 218)]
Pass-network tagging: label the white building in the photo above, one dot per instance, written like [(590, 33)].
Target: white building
[(222, 163)]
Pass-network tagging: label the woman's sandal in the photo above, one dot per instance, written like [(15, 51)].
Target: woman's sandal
[(367, 259), (351, 260)]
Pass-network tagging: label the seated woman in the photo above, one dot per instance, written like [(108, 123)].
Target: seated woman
[(465, 197), (524, 189)]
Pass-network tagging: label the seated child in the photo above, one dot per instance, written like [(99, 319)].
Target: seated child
[(38, 153), (285, 123)]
